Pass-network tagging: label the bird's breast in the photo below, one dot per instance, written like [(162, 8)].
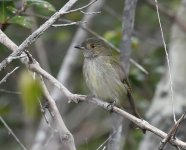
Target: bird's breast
[(102, 79)]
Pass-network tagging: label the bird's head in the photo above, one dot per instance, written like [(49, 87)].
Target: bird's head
[(94, 47)]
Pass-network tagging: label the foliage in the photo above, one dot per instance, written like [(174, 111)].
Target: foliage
[(10, 14), (56, 42), (31, 93)]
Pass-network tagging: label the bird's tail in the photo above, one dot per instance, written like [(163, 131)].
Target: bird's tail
[(132, 105)]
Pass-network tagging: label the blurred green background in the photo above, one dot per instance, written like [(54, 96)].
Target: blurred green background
[(17, 94)]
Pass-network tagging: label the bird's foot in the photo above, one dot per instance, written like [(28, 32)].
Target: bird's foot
[(110, 106), (90, 97)]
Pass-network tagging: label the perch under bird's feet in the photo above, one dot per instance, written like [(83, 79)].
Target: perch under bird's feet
[(90, 97), (111, 106), (76, 98), (142, 129)]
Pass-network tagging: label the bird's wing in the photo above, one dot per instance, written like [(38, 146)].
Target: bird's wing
[(116, 63)]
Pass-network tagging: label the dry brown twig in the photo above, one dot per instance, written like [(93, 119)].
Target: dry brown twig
[(34, 66), (65, 135), (172, 132), (64, 76), (35, 35), (7, 75), (12, 133), (81, 25), (167, 12), (76, 97)]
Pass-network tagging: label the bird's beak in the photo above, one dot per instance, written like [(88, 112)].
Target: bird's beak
[(79, 47)]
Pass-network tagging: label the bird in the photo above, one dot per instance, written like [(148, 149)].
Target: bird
[(104, 73)]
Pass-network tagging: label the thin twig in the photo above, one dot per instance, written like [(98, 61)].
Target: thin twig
[(102, 144), (10, 92), (128, 19), (75, 97), (12, 133), (37, 33), (162, 9), (42, 110), (8, 74), (69, 24), (65, 136), (113, 13), (140, 67), (171, 133), (80, 8), (168, 13), (127, 27), (168, 62), (90, 13)]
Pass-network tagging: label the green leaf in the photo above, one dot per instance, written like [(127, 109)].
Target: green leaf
[(12, 9), (113, 36), (41, 4), (31, 91), (21, 20), (5, 13)]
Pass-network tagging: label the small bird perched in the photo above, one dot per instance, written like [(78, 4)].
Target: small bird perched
[(104, 74)]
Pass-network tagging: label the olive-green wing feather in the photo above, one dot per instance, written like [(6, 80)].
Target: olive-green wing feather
[(115, 61)]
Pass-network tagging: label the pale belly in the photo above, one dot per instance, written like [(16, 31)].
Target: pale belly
[(105, 83)]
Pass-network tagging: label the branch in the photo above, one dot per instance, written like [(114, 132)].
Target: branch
[(69, 22), (80, 8), (76, 97), (35, 35), (10, 92), (172, 132), (11, 132), (8, 74), (167, 12), (125, 47), (65, 73), (128, 25), (39, 46), (65, 136)]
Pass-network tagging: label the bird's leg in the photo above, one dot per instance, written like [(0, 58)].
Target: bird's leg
[(90, 96), (111, 105), (134, 110), (132, 105)]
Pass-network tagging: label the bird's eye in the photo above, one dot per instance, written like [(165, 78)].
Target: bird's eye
[(92, 45)]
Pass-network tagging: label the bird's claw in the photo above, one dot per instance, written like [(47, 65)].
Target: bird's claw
[(90, 97), (76, 98), (73, 98), (111, 106)]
